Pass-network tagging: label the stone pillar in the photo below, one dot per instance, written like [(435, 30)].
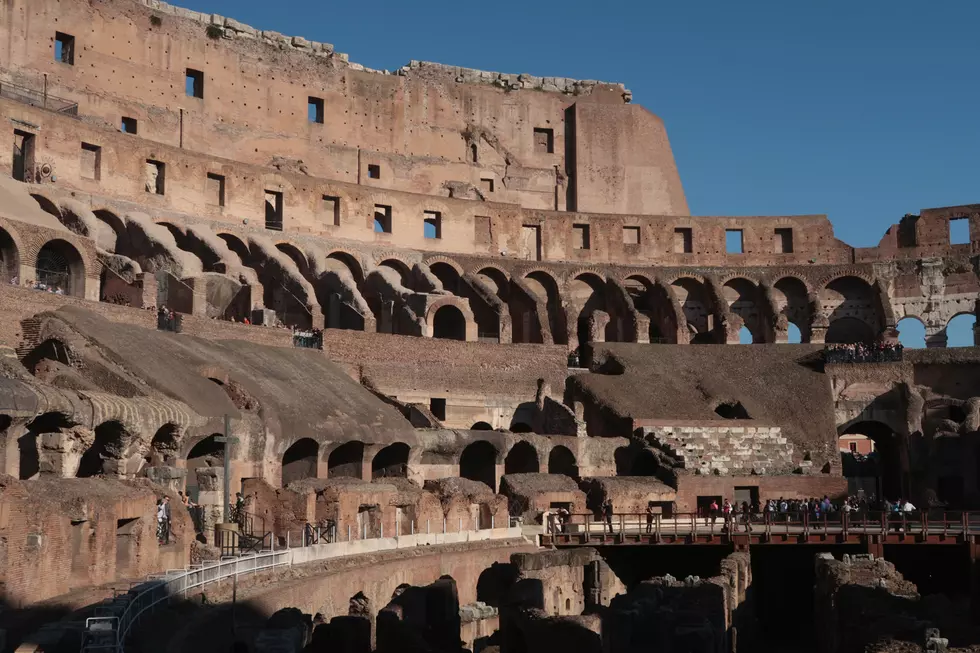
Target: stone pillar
[(936, 338), (210, 482), (173, 478), (148, 287)]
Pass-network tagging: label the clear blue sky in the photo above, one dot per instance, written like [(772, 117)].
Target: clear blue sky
[(860, 110)]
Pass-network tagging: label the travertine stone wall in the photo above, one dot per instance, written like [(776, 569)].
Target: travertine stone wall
[(726, 449)]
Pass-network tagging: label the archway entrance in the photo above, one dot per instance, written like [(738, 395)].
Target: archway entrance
[(299, 461), (449, 324), (562, 461), (881, 471), (522, 459), (206, 453), (391, 462), (347, 460), (479, 463), (59, 267), (9, 258)]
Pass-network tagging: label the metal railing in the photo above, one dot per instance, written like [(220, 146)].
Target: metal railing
[(312, 339), (865, 522), (107, 631), (37, 98)]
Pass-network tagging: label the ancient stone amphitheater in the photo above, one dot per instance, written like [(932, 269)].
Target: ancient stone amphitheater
[(427, 307)]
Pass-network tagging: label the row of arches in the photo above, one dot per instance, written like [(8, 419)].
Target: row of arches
[(957, 332)]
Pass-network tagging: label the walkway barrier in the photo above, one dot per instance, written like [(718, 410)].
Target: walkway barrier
[(114, 619), (699, 527)]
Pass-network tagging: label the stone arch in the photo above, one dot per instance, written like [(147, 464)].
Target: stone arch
[(110, 440), (448, 276), (403, 269), (481, 426), (965, 323), (791, 299), (238, 246), (9, 257), (911, 332), (298, 257), (347, 460), (47, 205), (391, 462), (522, 459), (695, 302), (165, 446), (199, 453), (742, 298), (27, 443), (60, 265), (350, 262), (543, 288), (112, 230), (478, 462), (448, 323), (497, 280), (561, 460), (645, 463), (586, 294), (299, 461), (850, 297), (653, 300)]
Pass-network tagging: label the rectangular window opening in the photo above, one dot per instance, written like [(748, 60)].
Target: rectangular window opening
[(544, 140), (853, 447), (374, 171), (530, 244), (194, 83), (382, 219), (331, 209), (631, 235), (438, 408), (486, 185), (733, 241), (314, 110), (784, 241), (23, 164), (64, 48), (216, 189), (155, 177), (129, 125), (580, 236), (683, 241), (959, 231), (273, 210), (432, 228), (91, 162)]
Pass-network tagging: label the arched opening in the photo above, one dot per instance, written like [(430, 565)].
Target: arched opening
[(59, 268), (497, 281), (732, 410), (959, 331), (349, 262), (911, 333), (693, 299), (47, 205), (521, 427), (391, 462), (347, 461), (404, 272), (447, 275), (849, 330), (474, 153), (479, 463), (481, 426), (112, 230), (448, 323), (527, 324), (586, 295), (108, 444), (164, 446), (521, 459), (793, 334), (741, 296), (744, 336), (881, 470), (299, 460), (792, 299), (645, 464), (296, 257), (9, 258), (208, 452), (236, 245), (562, 461)]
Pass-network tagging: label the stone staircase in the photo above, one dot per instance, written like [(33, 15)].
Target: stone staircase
[(30, 336), (725, 450)]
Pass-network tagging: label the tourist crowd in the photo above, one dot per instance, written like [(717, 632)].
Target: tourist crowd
[(880, 352), (37, 285)]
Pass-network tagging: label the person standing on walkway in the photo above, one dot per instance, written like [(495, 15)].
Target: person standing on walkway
[(607, 513)]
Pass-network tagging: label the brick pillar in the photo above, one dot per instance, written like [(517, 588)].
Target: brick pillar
[(937, 339), (148, 289)]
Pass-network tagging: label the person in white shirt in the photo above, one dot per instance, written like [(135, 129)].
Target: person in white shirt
[(908, 507)]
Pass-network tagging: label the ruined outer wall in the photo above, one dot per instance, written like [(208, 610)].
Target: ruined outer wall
[(416, 125)]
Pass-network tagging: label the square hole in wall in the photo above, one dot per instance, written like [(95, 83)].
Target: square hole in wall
[(194, 83), (438, 408), (273, 210), (580, 236), (91, 161), (155, 177), (631, 235), (432, 227), (959, 231), (330, 206), (215, 189), (544, 140), (374, 171), (382, 219), (784, 240), (314, 109), (683, 241), (129, 125), (733, 241), (486, 185), (64, 48)]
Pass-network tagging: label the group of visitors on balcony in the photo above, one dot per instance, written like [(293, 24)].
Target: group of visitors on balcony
[(38, 285), (879, 352)]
